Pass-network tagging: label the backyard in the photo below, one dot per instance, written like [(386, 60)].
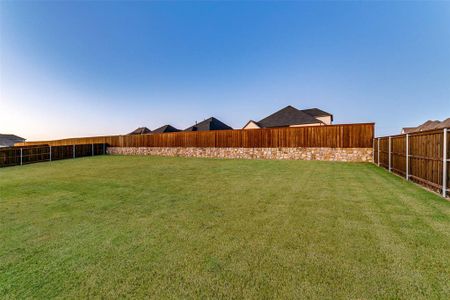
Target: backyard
[(129, 226)]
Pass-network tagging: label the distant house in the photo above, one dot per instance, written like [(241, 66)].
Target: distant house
[(209, 124), (8, 140), (165, 128), (292, 117), (140, 130), (428, 125)]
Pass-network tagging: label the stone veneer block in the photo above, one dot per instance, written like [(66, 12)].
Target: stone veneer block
[(299, 153)]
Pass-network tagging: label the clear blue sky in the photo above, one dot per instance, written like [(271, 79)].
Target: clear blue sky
[(94, 68)]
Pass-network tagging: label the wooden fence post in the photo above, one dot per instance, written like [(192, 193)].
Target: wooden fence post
[(50, 152), (104, 148), (73, 150), (444, 162), (390, 151), (373, 151), (92, 149), (21, 155), (407, 156), (378, 151)]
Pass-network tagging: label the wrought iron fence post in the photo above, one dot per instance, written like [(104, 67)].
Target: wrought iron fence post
[(444, 164), (407, 156)]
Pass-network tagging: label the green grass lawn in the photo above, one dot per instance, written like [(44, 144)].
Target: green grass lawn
[(116, 226)]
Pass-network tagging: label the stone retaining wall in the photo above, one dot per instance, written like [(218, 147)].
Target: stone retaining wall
[(327, 154)]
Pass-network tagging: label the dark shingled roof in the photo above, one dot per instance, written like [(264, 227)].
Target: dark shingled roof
[(286, 117), (165, 128), (315, 112), (8, 140), (209, 124), (140, 130)]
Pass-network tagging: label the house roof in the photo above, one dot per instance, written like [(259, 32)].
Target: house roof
[(252, 121), (10, 139), (286, 117), (408, 129), (444, 124), (140, 130), (315, 112), (165, 128), (428, 125), (209, 124)]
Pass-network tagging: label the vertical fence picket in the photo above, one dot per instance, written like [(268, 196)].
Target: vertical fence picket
[(378, 151), (390, 154), (373, 151), (407, 157), (444, 164)]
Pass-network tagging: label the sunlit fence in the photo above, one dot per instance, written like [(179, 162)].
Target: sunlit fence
[(14, 156), (332, 136), (422, 157)]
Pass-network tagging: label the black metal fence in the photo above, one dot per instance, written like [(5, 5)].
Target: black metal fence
[(15, 156)]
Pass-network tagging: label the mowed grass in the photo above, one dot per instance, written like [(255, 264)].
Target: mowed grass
[(117, 226)]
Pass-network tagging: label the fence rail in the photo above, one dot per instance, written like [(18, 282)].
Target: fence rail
[(333, 136), (422, 157), (14, 156)]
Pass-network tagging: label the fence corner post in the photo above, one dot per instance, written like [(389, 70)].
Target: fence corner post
[(444, 164), (390, 154), (373, 150), (378, 143), (407, 157)]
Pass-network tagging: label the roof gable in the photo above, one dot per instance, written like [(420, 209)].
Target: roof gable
[(409, 129), (445, 123), (165, 128), (10, 139), (250, 123), (315, 112), (286, 117), (140, 130), (428, 125), (209, 124)]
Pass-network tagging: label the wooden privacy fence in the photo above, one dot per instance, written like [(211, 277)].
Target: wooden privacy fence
[(14, 156), (422, 157), (334, 136)]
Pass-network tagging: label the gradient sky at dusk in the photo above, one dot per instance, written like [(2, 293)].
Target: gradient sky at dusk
[(95, 68)]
